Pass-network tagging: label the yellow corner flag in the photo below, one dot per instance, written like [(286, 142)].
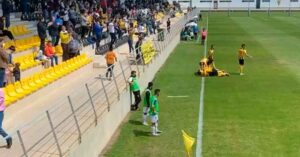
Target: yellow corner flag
[(188, 143)]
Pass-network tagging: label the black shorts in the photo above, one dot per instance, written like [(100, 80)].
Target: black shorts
[(241, 61)]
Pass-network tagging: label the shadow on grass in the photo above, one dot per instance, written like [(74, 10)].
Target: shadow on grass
[(234, 73), (135, 122), (141, 133)]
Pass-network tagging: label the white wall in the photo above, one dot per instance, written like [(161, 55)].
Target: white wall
[(240, 4), (95, 140)]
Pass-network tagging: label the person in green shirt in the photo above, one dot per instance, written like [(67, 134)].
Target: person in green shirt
[(154, 110), (147, 102), (135, 88)]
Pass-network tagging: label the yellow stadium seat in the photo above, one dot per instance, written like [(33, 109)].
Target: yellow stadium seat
[(12, 92), (20, 90), (26, 86)]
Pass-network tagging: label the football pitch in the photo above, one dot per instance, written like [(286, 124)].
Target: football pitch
[(255, 115)]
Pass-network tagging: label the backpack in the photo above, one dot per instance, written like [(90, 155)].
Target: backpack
[(74, 46)]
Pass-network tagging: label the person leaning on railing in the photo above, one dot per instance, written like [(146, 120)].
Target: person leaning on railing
[(135, 89)]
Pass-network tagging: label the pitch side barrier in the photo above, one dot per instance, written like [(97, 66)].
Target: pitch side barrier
[(82, 123)]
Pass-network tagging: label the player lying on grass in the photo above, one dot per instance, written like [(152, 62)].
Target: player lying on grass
[(206, 68)]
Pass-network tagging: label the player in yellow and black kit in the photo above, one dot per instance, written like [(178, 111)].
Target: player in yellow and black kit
[(241, 56)]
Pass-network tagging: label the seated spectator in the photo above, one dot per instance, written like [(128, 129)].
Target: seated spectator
[(50, 53), (41, 57)]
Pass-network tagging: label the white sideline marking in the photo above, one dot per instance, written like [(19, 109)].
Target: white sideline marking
[(178, 96), (201, 108)]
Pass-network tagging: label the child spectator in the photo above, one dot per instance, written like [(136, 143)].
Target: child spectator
[(9, 75), (17, 72), (50, 53)]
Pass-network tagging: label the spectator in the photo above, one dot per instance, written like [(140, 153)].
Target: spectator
[(9, 77), (3, 65), (97, 30), (10, 51), (53, 32), (135, 88), (42, 32), (112, 31), (17, 72), (111, 58), (84, 24), (168, 25), (73, 48), (41, 57), (130, 39), (65, 38), (3, 32), (50, 53), (2, 109), (6, 8)]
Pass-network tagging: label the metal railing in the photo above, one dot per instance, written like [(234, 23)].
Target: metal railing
[(58, 129)]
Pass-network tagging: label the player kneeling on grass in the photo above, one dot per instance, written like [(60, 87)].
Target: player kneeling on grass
[(207, 69), (241, 56), (147, 103), (154, 110)]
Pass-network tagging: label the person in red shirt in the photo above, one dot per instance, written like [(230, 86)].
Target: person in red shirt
[(50, 53)]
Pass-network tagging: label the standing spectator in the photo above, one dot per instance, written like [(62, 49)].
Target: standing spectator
[(154, 111), (9, 77), (6, 8), (2, 108), (42, 32), (135, 89), (3, 65), (84, 24), (53, 32), (97, 30), (65, 38), (17, 72), (147, 103), (168, 25), (10, 51), (111, 58), (50, 53), (73, 48), (112, 32), (130, 39)]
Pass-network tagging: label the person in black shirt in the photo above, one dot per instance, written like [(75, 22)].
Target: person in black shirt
[(168, 25)]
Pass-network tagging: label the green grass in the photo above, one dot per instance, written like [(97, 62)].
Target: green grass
[(256, 115)]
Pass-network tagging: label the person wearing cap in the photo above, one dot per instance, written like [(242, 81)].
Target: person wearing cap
[(2, 109), (147, 103)]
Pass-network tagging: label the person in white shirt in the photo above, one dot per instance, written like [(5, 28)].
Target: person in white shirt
[(112, 32)]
